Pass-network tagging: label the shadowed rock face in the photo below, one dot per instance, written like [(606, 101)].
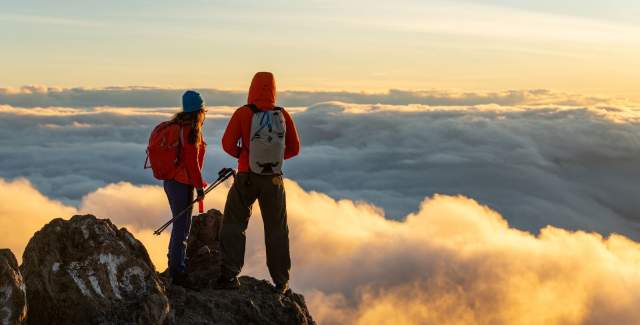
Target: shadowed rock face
[(254, 303), (203, 246), (87, 271), (13, 300)]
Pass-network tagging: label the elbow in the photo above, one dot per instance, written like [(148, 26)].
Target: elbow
[(232, 151), (228, 148)]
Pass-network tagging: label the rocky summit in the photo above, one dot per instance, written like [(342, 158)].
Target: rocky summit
[(203, 245), (13, 298), (87, 271), (256, 302)]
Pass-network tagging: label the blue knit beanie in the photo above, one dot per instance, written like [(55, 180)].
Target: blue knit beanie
[(192, 101)]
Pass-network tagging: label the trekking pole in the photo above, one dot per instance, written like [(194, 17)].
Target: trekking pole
[(223, 175)]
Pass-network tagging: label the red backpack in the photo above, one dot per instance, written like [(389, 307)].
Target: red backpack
[(163, 151)]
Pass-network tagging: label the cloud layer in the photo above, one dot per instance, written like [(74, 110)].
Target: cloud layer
[(454, 261), (151, 97), (573, 167)]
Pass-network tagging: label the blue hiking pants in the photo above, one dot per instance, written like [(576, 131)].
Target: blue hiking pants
[(180, 196)]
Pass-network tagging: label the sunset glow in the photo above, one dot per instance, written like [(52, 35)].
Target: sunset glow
[(588, 47), (445, 162)]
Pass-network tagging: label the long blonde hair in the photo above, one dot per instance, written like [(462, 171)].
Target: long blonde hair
[(194, 120)]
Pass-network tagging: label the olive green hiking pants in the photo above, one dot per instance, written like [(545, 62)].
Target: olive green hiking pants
[(269, 191)]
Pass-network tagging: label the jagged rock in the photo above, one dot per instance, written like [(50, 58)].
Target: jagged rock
[(205, 231), (254, 303), (203, 246), (13, 298), (86, 271)]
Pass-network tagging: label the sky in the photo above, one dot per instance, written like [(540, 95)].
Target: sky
[(589, 47)]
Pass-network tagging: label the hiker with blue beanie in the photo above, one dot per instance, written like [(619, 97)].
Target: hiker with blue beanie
[(184, 135), (192, 102)]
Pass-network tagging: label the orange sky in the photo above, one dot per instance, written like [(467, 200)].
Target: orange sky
[(584, 47)]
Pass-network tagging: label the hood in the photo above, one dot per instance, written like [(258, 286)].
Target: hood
[(263, 91)]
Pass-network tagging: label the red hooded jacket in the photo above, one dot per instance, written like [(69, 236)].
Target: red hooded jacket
[(263, 94)]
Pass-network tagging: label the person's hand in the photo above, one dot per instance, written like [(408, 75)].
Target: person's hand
[(200, 194)]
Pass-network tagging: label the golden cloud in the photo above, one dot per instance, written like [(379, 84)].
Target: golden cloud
[(454, 261)]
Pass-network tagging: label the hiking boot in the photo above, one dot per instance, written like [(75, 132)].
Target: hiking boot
[(184, 281), (224, 283), (282, 289)]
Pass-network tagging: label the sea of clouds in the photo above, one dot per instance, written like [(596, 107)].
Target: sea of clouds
[(453, 261), (152, 97), (532, 157), (414, 207)]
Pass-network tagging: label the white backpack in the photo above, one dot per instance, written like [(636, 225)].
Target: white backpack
[(267, 142)]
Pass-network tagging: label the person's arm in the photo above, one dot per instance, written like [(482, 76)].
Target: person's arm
[(190, 158), (292, 142), (232, 135)]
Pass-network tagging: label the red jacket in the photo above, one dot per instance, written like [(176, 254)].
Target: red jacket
[(191, 161), (263, 94)]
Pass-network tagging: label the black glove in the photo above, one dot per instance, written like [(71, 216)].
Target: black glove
[(200, 194)]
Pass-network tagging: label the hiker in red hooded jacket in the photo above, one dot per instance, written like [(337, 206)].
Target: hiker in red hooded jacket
[(258, 179)]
